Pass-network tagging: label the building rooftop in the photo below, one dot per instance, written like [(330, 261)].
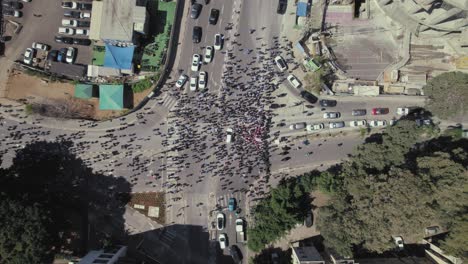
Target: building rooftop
[(307, 254), (112, 20), (111, 97)]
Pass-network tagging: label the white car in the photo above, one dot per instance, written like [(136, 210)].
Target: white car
[(41, 46), (315, 127), (402, 111), (377, 123), (195, 62), (69, 23), (70, 5), (223, 241), (202, 80), (29, 55), (83, 32), (193, 83), (294, 81), (331, 115), (220, 220), (297, 126), (218, 43), (357, 123), (399, 242), (71, 54), (208, 54), (85, 15), (181, 81), (66, 31), (239, 225), (229, 133), (281, 63)]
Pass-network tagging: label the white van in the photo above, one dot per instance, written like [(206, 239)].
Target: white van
[(229, 134)]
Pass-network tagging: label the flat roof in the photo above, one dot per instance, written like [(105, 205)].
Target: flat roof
[(113, 20)]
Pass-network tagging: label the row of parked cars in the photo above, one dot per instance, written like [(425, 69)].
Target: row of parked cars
[(12, 8), (76, 22)]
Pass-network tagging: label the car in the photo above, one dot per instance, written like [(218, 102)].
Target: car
[(297, 126), (214, 15), (218, 43), (70, 5), (12, 13), (423, 122), (282, 5), (12, 4), (223, 243), (70, 55), (208, 54), (235, 254), (239, 225), (66, 31), (359, 112), (399, 242), (195, 10), (181, 81), (62, 39), (85, 15), (197, 34), (281, 63), (357, 123), (52, 55), (61, 54), (377, 123), (331, 115), (202, 79), (41, 46), (232, 204), (402, 111), (85, 6), (274, 258), (29, 55), (327, 103), (229, 135), (26, 1), (309, 97), (314, 127), (379, 111), (72, 14), (193, 83), (69, 23), (308, 221), (82, 42), (85, 24), (82, 32), (339, 124), (293, 81), (220, 220), (195, 62)]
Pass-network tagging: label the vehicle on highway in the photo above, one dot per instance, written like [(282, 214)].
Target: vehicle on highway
[(232, 204), (195, 10), (69, 23), (12, 13), (229, 135), (62, 39), (71, 55), (281, 63), (85, 15), (195, 62), (339, 124), (82, 42), (331, 115), (377, 123), (52, 55), (359, 112), (202, 79), (208, 54), (309, 97), (293, 81), (235, 254), (214, 15), (379, 111), (85, 24), (70, 5), (61, 54), (85, 6), (218, 42), (314, 127), (220, 220), (181, 81), (297, 126), (71, 14), (357, 123), (197, 34), (223, 243), (41, 46), (66, 31), (399, 242), (327, 103), (193, 83), (29, 55), (282, 5), (402, 111), (12, 4)]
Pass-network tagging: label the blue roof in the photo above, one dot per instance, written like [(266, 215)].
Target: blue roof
[(301, 9), (119, 57)]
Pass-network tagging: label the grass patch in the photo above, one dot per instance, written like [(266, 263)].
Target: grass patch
[(28, 109), (98, 55), (145, 84)]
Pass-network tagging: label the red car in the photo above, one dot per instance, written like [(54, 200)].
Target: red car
[(379, 111)]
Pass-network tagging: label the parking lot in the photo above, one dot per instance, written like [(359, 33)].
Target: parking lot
[(40, 23)]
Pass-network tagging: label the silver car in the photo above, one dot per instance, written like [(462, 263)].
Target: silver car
[(336, 124), (331, 115), (297, 126)]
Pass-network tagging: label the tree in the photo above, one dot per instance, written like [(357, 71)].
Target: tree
[(447, 94), (313, 81)]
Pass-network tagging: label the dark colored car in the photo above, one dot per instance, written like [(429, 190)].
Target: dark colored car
[(12, 13), (309, 97), (214, 15), (61, 39), (73, 14), (359, 112), (309, 219), (52, 55), (327, 103), (379, 111), (197, 34), (235, 254), (282, 5), (82, 42), (61, 55), (85, 6), (195, 11), (232, 204), (84, 24), (12, 4)]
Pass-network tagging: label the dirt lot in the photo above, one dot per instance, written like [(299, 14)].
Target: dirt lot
[(150, 199)]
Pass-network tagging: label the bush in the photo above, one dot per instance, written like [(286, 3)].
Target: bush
[(142, 85)]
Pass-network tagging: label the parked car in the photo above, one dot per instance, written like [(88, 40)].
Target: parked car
[(298, 126), (359, 112), (423, 122), (377, 123), (232, 204), (69, 23), (197, 34), (29, 54), (71, 14), (82, 32), (293, 81), (85, 15), (202, 79), (399, 242), (235, 254), (82, 42), (195, 62), (281, 63), (193, 83), (12, 13), (71, 55), (220, 220), (61, 54), (402, 111), (66, 31), (41, 46), (282, 5), (331, 115), (52, 55), (327, 103), (229, 135), (85, 6), (208, 54), (12, 4), (308, 221), (339, 124), (223, 243), (181, 81), (70, 5), (62, 39), (214, 15), (218, 43), (195, 10), (379, 111), (309, 97), (314, 127), (357, 123), (85, 24)]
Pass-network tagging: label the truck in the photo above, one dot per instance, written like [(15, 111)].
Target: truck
[(240, 234)]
